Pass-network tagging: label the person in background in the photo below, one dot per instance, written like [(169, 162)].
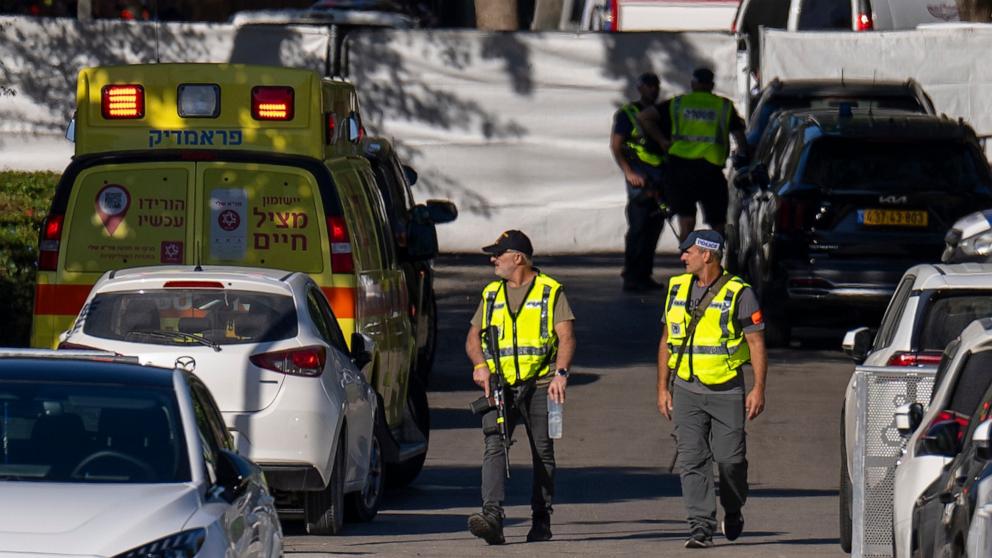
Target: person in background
[(695, 129), (640, 158)]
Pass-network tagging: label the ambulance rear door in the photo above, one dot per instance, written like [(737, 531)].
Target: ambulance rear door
[(260, 215)]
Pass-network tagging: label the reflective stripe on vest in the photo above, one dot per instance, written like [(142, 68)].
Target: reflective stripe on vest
[(638, 141), (717, 348), (527, 340), (700, 126)]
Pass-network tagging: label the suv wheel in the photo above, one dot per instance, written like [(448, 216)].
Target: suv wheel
[(363, 505), (402, 474), (323, 509)]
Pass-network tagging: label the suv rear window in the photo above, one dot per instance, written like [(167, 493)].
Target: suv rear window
[(947, 315), (904, 166), (825, 14), (191, 316)]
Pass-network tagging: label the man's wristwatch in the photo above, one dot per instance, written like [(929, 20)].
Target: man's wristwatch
[(563, 372)]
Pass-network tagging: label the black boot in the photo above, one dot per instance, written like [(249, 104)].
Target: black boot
[(487, 524), (541, 528)]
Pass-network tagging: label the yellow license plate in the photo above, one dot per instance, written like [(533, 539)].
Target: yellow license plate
[(895, 218)]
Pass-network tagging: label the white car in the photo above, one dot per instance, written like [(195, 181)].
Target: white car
[(113, 459), (268, 345), (964, 375), (930, 307)]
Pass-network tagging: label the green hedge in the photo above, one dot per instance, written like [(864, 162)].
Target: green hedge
[(24, 201)]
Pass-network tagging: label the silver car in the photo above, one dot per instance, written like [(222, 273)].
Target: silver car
[(114, 459)]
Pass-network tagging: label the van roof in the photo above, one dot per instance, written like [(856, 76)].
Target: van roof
[(235, 91)]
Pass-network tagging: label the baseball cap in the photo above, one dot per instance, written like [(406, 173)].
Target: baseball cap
[(649, 79), (511, 240), (707, 240), (703, 75)]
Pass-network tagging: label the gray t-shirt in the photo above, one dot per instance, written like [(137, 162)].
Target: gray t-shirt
[(747, 318)]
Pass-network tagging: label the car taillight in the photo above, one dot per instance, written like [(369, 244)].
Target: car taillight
[(863, 22), (330, 126), (791, 215), (49, 241), (272, 103), (341, 259), (122, 102), (308, 361), (926, 358)]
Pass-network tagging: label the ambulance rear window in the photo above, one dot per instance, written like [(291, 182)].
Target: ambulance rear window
[(191, 316)]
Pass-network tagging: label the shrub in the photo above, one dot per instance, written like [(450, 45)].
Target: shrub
[(24, 201)]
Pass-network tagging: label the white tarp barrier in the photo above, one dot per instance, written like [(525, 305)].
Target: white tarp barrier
[(514, 127), (40, 60), (950, 63)]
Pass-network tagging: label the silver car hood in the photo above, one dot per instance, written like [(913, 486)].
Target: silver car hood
[(76, 519)]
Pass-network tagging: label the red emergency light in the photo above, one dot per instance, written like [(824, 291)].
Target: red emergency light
[(270, 102), (122, 101)]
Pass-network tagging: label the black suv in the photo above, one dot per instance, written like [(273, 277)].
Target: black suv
[(394, 180), (815, 94), (839, 203)]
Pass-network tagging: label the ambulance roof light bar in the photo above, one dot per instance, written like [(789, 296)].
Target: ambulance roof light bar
[(122, 101), (272, 102)]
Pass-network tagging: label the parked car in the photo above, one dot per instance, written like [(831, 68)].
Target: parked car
[(964, 375), (815, 94), (395, 180), (104, 457), (372, 13), (843, 202), (943, 514), (970, 239), (931, 306), (268, 346)]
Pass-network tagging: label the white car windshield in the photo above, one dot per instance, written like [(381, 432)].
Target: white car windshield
[(190, 316), (90, 433)]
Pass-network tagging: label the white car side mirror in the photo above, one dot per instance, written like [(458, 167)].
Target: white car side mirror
[(908, 417)]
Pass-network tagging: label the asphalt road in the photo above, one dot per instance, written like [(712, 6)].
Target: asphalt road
[(616, 494)]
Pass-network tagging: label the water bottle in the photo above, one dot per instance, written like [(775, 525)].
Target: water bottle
[(554, 419)]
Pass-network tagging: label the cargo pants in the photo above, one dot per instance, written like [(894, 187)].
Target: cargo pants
[(708, 428)]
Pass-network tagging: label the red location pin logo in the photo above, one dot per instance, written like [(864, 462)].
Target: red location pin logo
[(112, 203)]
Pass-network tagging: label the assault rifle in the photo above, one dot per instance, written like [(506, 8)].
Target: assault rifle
[(497, 396)]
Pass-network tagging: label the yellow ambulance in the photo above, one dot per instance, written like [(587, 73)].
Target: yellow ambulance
[(223, 164)]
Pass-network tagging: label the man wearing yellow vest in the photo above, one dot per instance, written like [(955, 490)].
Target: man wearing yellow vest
[(536, 344), (640, 159), (695, 130), (712, 327)]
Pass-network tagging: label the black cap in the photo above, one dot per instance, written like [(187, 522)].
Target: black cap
[(511, 240), (648, 78), (707, 240), (703, 75)]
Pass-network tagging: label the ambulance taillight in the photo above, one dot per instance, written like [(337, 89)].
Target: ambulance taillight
[(270, 102), (330, 126), (341, 260), (122, 101), (48, 244)]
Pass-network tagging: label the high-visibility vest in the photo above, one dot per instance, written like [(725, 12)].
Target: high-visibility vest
[(637, 142), (700, 127), (527, 340), (717, 348)]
